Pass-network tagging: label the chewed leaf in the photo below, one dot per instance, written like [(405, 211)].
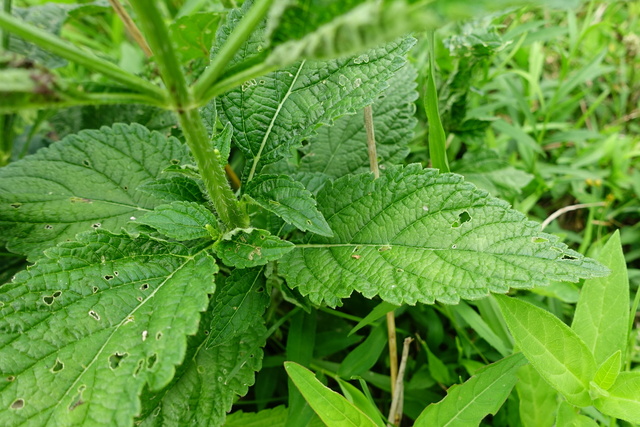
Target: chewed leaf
[(290, 201), (86, 181), (87, 327), (416, 235), (250, 247), (182, 220)]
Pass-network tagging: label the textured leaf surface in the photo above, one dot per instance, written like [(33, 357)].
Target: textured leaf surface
[(86, 181), (557, 353), (193, 34), (416, 235), (239, 304), (331, 407), (244, 248), (482, 394), (274, 113), (290, 201), (538, 400), (602, 314), (623, 400), (342, 148), (174, 189), (181, 220), (87, 327)]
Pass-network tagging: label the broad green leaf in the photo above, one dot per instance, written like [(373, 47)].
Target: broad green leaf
[(88, 326), (249, 247), (556, 351), (274, 417), (602, 314), (274, 113), (174, 189), (87, 181), (568, 417), (365, 355), (608, 371), (193, 35), (416, 235), (331, 407), (378, 311), (209, 381), (482, 394), (239, 303), (181, 220), (538, 400), (355, 396), (290, 201), (623, 400), (342, 148)]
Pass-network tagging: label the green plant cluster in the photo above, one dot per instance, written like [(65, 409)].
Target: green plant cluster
[(231, 213)]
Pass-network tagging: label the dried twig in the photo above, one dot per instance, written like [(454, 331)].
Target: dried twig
[(395, 412), (566, 209), (131, 27)]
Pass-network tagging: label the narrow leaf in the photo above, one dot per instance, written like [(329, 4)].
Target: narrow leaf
[(481, 395), (416, 235), (365, 355), (87, 327), (290, 201), (378, 311), (361, 401), (331, 407), (602, 314), (250, 247), (477, 323), (556, 351), (181, 220), (86, 181), (623, 400)]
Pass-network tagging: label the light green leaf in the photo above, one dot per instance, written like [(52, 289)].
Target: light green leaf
[(331, 407), (239, 303), (193, 35), (623, 400), (174, 189), (87, 181), (274, 417), (355, 396), (275, 113), (538, 400), (290, 201), (342, 148), (249, 247), (209, 381), (556, 351), (482, 394), (602, 314), (477, 323), (608, 371), (416, 235), (568, 417), (89, 325), (181, 220)]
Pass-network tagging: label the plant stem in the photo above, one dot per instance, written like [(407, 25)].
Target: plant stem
[(66, 50), (131, 27), (239, 35)]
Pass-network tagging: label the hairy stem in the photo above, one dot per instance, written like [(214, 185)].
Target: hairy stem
[(239, 35), (66, 50)]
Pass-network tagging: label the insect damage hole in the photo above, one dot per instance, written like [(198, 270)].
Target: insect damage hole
[(17, 404), (151, 360), (57, 367), (116, 359), (93, 314), (462, 218)]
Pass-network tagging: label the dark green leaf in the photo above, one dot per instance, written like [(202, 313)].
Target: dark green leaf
[(182, 221), (250, 247)]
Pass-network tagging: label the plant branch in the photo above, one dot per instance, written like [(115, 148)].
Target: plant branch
[(566, 209), (239, 35), (56, 45), (395, 412), (131, 27)]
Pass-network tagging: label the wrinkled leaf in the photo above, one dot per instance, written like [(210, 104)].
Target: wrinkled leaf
[(250, 247), (181, 220)]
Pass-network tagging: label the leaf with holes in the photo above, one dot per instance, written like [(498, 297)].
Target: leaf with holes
[(89, 325), (290, 201), (85, 181), (342, 148), (182, 221), (414, 235), (250, 247)]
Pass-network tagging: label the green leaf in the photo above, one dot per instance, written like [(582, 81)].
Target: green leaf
[(365, 355), (477, 323), (416, 235), (568, 417), (88, 326), (209, 381), (556, 351), (331, 407), (174, 189), (222, 142), (290, 201), (193, 35), (274, 417), (342, 148), (437, 368), (87, 181), (623, 400), (275, 113), (608, 371), (378, 311), (181, 220), (482, 394), (249, 247), (355, 396), (602, 314), (239, 303), (538, 400)]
